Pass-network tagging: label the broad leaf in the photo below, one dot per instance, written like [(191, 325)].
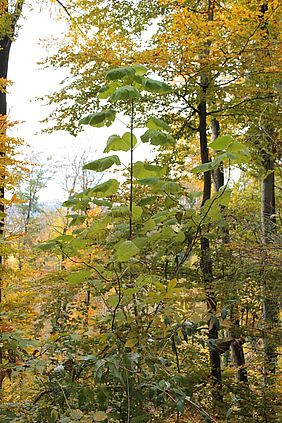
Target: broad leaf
[(205, 167), (221, 143), (108, 90), (105, 189), (140, 69), (154, 86), (126, 250), (102, 164), (100, 416), (145, 170), (78, 277), (117, 143), (120, 73), (157, 124), (157, 138), (47, 246), (103, 118), (124, 94)]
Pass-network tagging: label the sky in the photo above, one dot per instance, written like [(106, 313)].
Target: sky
[(31, 81)]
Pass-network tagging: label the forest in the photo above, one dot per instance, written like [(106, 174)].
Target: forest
[(153, 293)]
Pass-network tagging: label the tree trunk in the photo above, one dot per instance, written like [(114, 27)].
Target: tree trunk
[(5, 45), (237, 352), (206, 260), (270, 302), (217, 174)]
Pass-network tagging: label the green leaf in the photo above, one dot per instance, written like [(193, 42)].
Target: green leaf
[(154, 86), (102, 164), (157, 124), (140, 69), (120, 73), (103, 203), (124, 94), (78, 277), (171, 187), (157, 138), (149, 225), (237, 147), (136, 211), (145, 170), (103, 118), (126, 250), (47, 246), (107, 90), (117, 143), (105, 189), (2, 215), (221, 143), (205, 167), (76, 414), (140, 242), (100, 416), (151, 182)]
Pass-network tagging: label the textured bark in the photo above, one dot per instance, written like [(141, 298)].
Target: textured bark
[(270, 302), (5, 45), (217, 174), (236, 346), (206, 260)]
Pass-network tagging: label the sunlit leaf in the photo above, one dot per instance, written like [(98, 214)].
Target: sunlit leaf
[(78, 277), (105, 189), (221, 143), (100, 416), (157, 138), (157, 124), (117, 143), (126, 250), (145, 170)]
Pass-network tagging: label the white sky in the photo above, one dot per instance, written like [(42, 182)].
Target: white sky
[(29, 82)]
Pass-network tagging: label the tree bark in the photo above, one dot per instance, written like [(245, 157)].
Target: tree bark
[(5, 45), (206, 260), (270, 302)]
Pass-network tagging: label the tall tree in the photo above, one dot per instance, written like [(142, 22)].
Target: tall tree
[(9, 15)]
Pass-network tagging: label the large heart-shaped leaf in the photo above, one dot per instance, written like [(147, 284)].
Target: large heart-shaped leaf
[(105, 189), (154, 86), (126, 250), (102, 164), (120, 73), (158, 124), (157, 138), (145, 170), (124, 94), (117, 143), (103, 118)]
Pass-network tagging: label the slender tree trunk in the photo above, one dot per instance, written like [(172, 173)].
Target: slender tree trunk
[(206, 260), (270, 301), (5, 45), (217, 174), (236, 347)]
